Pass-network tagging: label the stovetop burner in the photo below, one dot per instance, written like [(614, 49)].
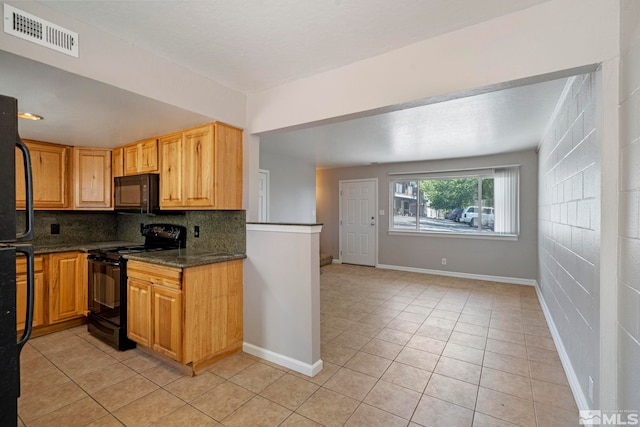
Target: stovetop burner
[(158, 237)]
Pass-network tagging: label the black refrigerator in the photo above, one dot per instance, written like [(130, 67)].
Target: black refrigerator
[(12, 244)]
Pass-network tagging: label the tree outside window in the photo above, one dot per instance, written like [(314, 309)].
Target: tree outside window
[(456, 204)]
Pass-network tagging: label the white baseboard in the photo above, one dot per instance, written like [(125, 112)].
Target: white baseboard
[(500, 279), (282, 360), (578, 393)]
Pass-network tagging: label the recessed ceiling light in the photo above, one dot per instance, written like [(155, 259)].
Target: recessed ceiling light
[(30, 116)]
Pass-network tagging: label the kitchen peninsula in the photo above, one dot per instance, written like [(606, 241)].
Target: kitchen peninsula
[(186, 305), (282, 295)]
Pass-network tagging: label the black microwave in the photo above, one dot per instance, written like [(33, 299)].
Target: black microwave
[(137, 193)]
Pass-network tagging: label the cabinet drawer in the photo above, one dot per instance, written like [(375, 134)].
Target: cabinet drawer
[(21, 265), (156, 274)]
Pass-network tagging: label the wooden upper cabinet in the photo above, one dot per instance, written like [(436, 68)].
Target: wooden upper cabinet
[(228, 182), (50, 166), (92, 178), (201, 168), (141, 157), (117, 162), (149, 155), (171, 192)]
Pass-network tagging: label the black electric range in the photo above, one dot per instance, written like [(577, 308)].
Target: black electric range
[(107, 294)]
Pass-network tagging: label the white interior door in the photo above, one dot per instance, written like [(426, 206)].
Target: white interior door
[(358, 204), (263, 196)]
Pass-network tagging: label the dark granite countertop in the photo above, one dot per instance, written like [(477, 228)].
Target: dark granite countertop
[(180, 258), (184, 258), (82, 247), (304, 224)]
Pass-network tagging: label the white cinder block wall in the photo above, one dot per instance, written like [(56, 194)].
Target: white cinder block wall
[(569, 229), (629, 213)]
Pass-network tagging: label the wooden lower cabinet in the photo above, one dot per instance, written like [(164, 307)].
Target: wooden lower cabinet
[(191, 315), (38, 292), (60, 292), (67, 273), (167, 322), (139, 311)]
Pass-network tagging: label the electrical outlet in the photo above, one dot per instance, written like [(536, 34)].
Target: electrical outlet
[(196, 231), (55, 228), (590, 388), (444, 261)]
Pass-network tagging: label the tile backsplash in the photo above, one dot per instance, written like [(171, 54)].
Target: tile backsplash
[(220, 231), (75, 227)]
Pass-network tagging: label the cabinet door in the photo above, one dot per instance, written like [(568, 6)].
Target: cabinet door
[(139, 311), (66, 290), (199, 167), (92, 178), (228, 178), (131, 159), (117, 162), (51, 177), (148, 155), (38, 300), (167, 322), (212, 308), (171, 193)]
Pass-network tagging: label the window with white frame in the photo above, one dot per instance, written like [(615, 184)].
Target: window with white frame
[(482, 202)]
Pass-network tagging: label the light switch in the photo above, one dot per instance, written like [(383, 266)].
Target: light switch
[(381, 212)]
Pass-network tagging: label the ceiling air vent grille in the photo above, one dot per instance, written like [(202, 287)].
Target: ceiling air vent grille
[(29, 27)]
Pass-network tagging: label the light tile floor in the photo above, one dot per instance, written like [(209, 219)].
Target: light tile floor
[(399, 349)]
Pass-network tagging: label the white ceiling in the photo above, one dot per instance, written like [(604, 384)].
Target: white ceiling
[(251, 45), (496, 122), (84, 112), (256, 44)]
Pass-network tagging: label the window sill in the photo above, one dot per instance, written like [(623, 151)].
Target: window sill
[(508, 237)]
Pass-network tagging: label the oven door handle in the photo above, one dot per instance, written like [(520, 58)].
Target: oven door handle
[(99, 260)]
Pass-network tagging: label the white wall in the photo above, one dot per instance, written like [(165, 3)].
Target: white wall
[(282, 299), (512, 259), (629, 224), (569, 227), (292, 188)]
